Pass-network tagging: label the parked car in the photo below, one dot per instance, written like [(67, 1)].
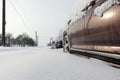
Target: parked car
[(57, 42), (53, 45), (96, 28), (59, 39)]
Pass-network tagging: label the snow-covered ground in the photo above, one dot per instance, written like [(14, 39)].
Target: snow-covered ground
[(51, 64)]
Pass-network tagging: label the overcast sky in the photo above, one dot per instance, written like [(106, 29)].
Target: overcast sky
[(46, 17)]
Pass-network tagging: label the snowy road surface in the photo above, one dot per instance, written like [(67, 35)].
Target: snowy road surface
[(47, 64)]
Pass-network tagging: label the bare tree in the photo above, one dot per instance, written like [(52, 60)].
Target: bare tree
[(9, 39)]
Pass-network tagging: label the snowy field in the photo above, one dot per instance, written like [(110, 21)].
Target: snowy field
[(51, 64)]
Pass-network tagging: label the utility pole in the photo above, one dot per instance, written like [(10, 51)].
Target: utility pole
[(36, 38), (3, 24)]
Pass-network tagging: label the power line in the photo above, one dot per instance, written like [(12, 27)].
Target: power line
[(19, 15)]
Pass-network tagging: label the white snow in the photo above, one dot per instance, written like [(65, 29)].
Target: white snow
[(105, 6), (43, 63), (78, 14), (76, 11), (76, 17)]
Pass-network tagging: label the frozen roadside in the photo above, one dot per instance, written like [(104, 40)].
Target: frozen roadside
[(52, 64)]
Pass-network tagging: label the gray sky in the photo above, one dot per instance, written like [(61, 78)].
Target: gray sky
[(45, 16)]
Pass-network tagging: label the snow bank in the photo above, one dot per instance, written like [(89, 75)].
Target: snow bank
[(105, 6), (6, 49)]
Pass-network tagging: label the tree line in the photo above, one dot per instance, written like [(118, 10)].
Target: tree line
[(22, 40)]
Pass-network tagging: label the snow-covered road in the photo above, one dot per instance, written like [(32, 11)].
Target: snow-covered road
[(48, 64)]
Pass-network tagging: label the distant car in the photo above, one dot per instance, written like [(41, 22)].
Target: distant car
[(57, 42), (53, 45), (96, 28)]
